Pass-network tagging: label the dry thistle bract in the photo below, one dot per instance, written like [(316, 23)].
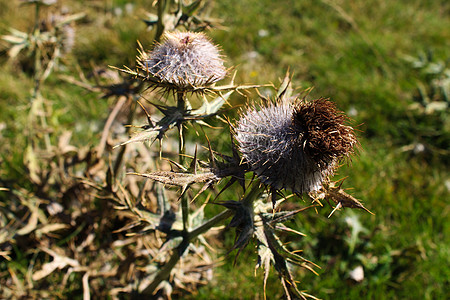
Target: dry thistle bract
[(185, 60), (294, 145)]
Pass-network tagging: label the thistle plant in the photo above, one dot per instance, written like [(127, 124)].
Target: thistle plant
[(279, 146), (289, 144)]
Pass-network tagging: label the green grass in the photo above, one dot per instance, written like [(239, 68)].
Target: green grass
[(351, 51)]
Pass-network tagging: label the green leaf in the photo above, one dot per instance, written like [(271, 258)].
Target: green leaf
[(211, 108)]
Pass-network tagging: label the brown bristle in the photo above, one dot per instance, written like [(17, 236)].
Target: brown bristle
[(321, 129)]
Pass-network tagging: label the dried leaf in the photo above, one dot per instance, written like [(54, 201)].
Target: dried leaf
[(285, 89), (59, 262), (64, 142), (31, 162), (70, 18), (144, 136), (265, 258), (335, 193), (178, 179), (51, 228), (31, 225)]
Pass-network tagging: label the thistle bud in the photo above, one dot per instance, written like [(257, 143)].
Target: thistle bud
[(294, 146), (185, 60)]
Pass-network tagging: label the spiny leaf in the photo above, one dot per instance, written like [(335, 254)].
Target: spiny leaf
[(284, 228), (264, 258), (281, 250), (285, 89), (212, 107), (178, 179), (282, 216), (175, 116), (194, 89), (338, 195), (242, 221)]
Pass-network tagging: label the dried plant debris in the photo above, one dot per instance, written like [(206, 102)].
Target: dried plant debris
[(192, 15), (102, 253), (53, 38)]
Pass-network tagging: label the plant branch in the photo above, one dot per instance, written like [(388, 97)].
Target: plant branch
[(181, 103), (120, 156), (162, 8), (164, 273), (210, 223)]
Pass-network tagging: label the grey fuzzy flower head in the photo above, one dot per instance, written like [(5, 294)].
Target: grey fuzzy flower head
[(294, 145), (185, 60)]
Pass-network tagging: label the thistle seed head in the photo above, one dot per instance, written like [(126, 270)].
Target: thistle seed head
[(185, 60), (294, 146)]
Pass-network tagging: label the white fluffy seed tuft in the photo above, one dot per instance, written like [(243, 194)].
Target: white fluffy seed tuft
[(186, 59)]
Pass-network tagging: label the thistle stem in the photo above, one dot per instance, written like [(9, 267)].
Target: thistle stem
[(188, 237), (162, 8), (164, 273), (181, 104), (210, 223), (36, 15), (38, 79)]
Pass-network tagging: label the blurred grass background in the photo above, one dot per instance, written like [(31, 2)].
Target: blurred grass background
[(385, 63)]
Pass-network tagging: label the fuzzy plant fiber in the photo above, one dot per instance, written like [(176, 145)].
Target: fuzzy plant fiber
[(186, 59), (294, 145)]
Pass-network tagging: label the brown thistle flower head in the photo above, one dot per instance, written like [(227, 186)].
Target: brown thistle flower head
[(185, 60), (294, 145)]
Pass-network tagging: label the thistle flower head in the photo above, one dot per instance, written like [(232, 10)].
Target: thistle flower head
[(294, 145), (185, 60)]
